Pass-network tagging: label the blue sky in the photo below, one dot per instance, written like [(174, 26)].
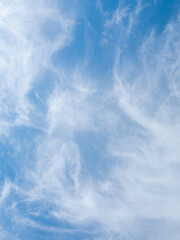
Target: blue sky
[(89, 120)]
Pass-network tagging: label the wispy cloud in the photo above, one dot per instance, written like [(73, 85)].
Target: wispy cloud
[(124, 183), (26, 48)]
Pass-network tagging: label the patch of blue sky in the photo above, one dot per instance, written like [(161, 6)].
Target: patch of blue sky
[(92, 146), (151, 16)]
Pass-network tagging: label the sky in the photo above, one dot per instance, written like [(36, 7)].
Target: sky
[(89, 120)]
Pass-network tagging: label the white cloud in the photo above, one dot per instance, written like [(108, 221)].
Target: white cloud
[(24, 51), (139, 118), (142, 182)]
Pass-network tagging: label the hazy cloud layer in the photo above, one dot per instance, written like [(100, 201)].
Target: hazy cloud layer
[(90, 120)]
